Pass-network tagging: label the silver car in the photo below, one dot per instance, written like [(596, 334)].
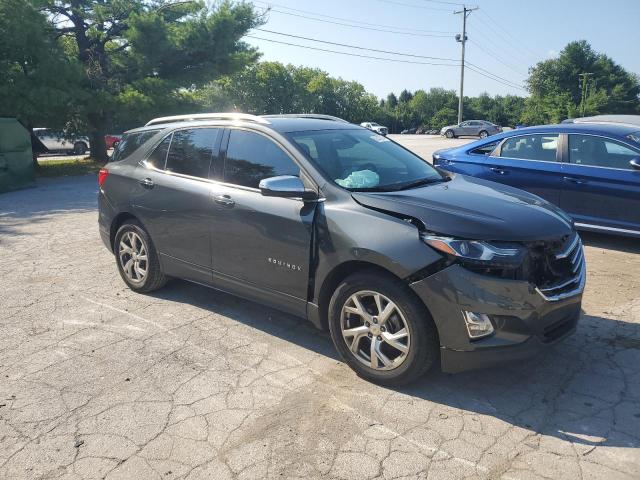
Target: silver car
[(61, 142), (375, 127), (480, 128)]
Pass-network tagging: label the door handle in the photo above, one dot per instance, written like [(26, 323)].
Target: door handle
[(574, 180), (225, 200), (146, 182), (499, 171)]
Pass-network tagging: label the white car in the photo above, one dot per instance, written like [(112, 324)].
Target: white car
[(60, 142), (375, 127)]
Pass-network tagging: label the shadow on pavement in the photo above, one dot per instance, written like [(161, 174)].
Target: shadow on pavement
[(48, 198), (582, 390)]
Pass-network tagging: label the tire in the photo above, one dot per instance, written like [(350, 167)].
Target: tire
[(80, 148), (483, 134), (153, 278), (422, 345), (449, 134)]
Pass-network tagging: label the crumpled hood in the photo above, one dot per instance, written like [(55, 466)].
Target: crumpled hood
[(468, 207)]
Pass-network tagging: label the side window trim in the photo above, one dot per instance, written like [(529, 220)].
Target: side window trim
[(303, 173), (609, 139), (558, 159)]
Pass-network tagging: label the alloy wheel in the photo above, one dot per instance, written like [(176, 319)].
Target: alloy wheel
[(133, 257), (375, 330)]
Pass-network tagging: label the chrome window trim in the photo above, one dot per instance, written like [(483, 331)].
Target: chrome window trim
[(607, 229), (278, 143), (568, 162), (529, 159)]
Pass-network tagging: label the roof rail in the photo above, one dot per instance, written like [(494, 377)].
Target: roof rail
[(208, 116), (316, 116)]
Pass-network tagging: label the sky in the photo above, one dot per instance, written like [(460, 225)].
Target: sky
[(505, 38)]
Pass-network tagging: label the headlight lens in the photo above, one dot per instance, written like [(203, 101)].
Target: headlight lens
[(478, 252)]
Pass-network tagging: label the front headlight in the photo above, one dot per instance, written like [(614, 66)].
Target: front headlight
[(478, 252)]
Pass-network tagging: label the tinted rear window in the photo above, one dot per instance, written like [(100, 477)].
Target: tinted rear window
[(191, 151), (130, 143)]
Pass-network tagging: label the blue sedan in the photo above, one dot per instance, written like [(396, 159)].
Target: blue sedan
[(591, 171)]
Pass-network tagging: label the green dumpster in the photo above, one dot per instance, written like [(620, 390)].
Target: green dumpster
[(16, 160)]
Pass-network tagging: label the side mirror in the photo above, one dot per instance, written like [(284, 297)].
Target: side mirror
[(635, 163), (286, 186)]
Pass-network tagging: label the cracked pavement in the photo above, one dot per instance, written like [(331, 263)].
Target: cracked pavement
[(189, 383)]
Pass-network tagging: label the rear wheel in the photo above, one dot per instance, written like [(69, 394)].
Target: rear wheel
[(137, 259), (449, 134), (80, 148), (483, 134), (382, 330)]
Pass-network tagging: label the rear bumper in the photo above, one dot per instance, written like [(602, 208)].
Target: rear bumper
[(524, 322)]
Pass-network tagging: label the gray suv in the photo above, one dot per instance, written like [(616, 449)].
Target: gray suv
[(480, 128), (406, 265)]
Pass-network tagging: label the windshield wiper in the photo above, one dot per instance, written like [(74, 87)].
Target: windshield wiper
[(419, 183)]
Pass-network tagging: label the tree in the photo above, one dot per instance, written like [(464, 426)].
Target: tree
[(139, 53), (556, 89), (405, 96), (392, 100), (40, 86)]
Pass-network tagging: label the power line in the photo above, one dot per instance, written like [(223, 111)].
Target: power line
[(513, 37), (350, 53), (362, 27), (480, 71), (390, 52), (411, 5), (493, 76), (270, 5), (495, 57)]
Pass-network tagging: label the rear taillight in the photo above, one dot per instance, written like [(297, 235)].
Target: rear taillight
[(102, 175)]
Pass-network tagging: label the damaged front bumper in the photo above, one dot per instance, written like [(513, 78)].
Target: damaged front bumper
[(524, 320)]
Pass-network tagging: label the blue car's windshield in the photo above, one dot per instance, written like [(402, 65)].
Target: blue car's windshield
[(360, 160)]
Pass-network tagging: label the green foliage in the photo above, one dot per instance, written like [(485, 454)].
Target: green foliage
[(39, 84), (272, 88), (556, 86), (142, 58)]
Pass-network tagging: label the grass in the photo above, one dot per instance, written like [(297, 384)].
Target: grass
[(68, 167)]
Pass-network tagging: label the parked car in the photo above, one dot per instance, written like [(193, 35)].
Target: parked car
[(112, 141), (408, 131), (375, 127), (309, 214), (591, 171), (61, 142), (480, 128), (621, 119)]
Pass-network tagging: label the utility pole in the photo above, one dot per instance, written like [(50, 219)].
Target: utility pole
[(463, 39), (583, 90)]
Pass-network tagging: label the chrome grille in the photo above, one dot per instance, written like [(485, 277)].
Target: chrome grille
[(569, 260)]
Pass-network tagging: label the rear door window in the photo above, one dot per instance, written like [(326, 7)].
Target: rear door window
[(191, 151), (541, 147), (130, 143), (486, 149), (252, 157), (600, 152)]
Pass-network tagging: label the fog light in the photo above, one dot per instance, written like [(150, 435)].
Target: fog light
[(478, 324)]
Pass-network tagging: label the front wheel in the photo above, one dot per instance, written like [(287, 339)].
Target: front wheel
[(382, 330), (449, 134), (137, 259), (483, 134)]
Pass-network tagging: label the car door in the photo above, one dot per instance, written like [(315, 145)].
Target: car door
[(47, 138), (463, 128), (600, 186), (173, 200), (261, 244), (529, 162)]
